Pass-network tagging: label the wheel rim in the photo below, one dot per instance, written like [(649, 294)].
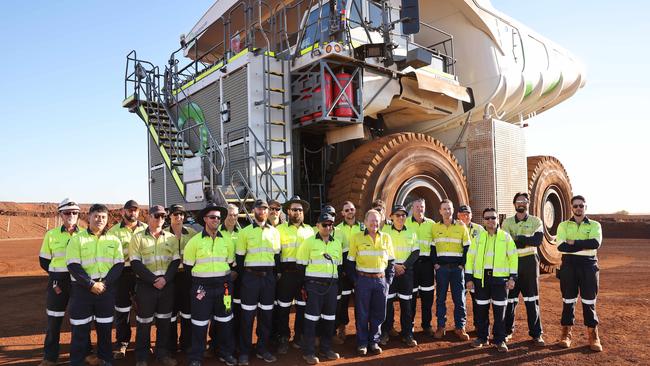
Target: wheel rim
[(421, 186), (552, 211)]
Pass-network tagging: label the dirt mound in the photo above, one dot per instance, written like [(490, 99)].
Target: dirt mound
[(624, 226)]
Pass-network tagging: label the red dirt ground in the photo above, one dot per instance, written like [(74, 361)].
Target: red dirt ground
[(623, 307)]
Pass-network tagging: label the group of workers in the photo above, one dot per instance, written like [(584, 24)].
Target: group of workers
[(217, 280)]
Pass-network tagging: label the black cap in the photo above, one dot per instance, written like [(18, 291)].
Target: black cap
[(131, 204), (298, 200), (329, 209), (176, 208), (261, 203), (464, 209), (211, 207), (274, 203), (324, 217), (397, 208), (156, 210)]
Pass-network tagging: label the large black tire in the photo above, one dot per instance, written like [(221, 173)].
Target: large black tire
[(550, 192), (399, 168)]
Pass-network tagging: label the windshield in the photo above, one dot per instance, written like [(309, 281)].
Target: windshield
[(312, 33)]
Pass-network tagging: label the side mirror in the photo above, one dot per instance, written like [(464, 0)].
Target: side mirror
[(410, 11)]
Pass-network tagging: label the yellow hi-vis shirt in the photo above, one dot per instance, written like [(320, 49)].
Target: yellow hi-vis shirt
[(53, 248), (404, 242), (450, 241), (209, 257), (155, 253), (343, 232), (259, 245), (370, 255), (124, 234), (310, 254), (587, 229), (496, 252), (526, 227), (96, 254), (291, 236), (423, 232)]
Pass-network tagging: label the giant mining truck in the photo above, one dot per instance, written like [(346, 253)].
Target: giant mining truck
[(354, 100)]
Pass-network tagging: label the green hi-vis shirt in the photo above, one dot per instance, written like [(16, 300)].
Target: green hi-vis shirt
[(155, 253), (343, 232), (526, 227), (587, 229), (370, 255), (291, 236), (404, 242), (124, 234), (311, 254), (423, 232), (187, 233), (496, 252), (209, 257), (53, 247), (258, 245), (96, 254)]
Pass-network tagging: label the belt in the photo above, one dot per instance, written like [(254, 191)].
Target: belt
[(319, 282), (257, 272), (371, 275)]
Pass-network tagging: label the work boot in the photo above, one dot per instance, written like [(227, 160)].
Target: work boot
[(330, 355), (195, 363), (168, 361), (383, 340), (120, 352), (594, 340), (502, 347), (479, 343), (47, 363), (429, 331), (362, 351), (229, 360), (266, 356), (296, 342), (141, 363), (311, 359), (393, 332), (461, 334), (339, 338), (243, 360), (539, 341), (375, 349), (508, 337), (283, 345), (92, 360), (440, 332), (409, 341), (565, 340)]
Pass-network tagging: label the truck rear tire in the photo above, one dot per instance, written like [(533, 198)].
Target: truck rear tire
[(550, 191), (399, 168)]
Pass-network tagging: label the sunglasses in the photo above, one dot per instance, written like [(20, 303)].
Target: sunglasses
[(296, 209), (71, 213), (159, 215), (327, 225), (490, 218), (274, 208), (349, 210), (178, 214), (579, 205), (213, 217)]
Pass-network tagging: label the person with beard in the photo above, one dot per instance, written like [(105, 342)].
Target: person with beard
[(126, 283), (258, 257), (154, 258), (579, 239), (52, 260), (343, 232), (292, 234), (95, 260), (209, 257), (275, 213), (423, 274), (465, 216), (527, 232), (182, 282)]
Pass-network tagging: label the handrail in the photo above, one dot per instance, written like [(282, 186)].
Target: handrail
[(248, 192)]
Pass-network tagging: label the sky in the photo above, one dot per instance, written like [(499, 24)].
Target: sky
[(65, 133)]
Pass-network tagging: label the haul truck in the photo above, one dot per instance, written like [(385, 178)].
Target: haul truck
[(354, 100)]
